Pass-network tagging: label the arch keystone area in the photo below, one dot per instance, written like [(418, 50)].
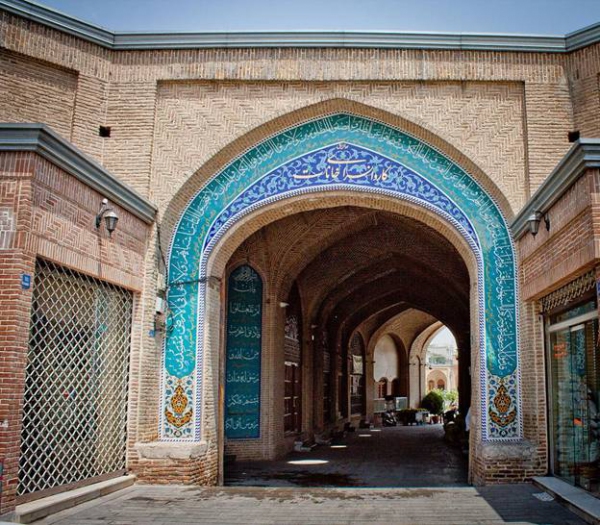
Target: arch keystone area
[(340, 152)]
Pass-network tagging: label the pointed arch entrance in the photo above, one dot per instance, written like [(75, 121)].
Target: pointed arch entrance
[(355, 155)]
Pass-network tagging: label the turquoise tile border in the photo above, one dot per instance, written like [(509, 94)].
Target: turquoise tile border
[(345, 152)]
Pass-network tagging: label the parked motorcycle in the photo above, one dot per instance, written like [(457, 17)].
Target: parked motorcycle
[(388, 418)]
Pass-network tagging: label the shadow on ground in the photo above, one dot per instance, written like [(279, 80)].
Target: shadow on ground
[(412, 456), (518, 503)]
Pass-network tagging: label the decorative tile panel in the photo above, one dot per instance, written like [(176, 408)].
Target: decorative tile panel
[(350, 153)]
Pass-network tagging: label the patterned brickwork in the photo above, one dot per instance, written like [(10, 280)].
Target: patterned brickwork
[(63, 222), (89, 114), (131, 117), (16, 258), (584, 79), (549, 118), (196, 120), (49, 45), (178, 116), (34, 91), (490, 71), (278, 64)]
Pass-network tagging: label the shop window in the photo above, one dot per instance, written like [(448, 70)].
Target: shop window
[(574, 388)]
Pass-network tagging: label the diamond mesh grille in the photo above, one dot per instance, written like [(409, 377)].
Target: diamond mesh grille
[(75, 402)]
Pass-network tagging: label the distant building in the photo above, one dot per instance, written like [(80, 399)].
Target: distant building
[(442, 367)]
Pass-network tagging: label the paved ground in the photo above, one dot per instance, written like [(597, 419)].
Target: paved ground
[(388, 457), (278, 493), (153, 505)]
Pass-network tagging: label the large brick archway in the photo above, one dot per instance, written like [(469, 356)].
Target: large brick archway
[(357, 157)]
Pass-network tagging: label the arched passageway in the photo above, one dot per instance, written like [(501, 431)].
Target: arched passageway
[(352, 289), (354, 225)]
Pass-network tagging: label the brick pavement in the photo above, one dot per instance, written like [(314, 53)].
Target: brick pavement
[(275, 492), (158, 505)]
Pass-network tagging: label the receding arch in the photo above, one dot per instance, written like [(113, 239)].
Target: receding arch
[(357, 157), (417, 363), (386, 355), (421, 342)]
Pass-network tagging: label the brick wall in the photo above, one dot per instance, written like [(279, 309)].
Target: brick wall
[(177, 116), (547, 261), (196, 120), (508, 113), (36, 91), (584, 83), (16, 258), (46, 213), (554, 257)]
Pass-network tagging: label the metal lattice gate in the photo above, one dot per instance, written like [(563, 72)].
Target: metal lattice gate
[(75, 401)]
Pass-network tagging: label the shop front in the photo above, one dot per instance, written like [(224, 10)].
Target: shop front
[(557, 234), (574, 390)]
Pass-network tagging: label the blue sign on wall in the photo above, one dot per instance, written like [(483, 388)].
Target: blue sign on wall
[(242, 381), (25, 281)]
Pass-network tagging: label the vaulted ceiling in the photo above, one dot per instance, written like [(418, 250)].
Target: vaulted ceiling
[(356, 266)]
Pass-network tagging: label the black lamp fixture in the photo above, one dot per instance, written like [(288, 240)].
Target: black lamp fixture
[(534, 220), (109, 216)]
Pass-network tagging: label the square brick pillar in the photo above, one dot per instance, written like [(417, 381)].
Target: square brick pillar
[(16, 259)]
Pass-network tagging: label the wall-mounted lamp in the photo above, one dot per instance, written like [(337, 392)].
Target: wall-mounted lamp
[(283, 305), (109, 216), (534, 220)]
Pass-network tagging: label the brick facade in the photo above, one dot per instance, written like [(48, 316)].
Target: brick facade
[(46, 213), (178, 116)]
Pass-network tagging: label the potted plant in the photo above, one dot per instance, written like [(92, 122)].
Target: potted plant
[(434, 403), (406, 416)]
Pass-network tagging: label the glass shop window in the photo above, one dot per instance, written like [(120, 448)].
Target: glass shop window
[(574, 385)]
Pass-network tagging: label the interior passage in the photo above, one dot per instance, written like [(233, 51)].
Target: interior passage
[(411, 456)]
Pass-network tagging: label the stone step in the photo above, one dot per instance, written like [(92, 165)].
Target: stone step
[(38, 509), (575, 499)]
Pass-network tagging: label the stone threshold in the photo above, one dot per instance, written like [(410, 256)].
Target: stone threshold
[(38, 509), (577, 500)]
